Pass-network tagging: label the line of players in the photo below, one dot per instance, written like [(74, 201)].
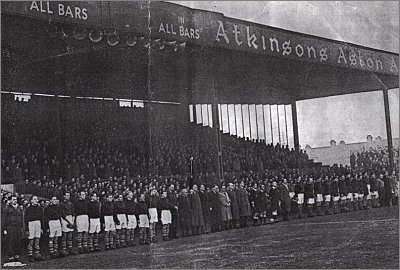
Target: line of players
[(121, 217), (118, 218)]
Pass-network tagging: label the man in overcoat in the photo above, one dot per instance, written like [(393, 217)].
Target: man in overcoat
[(12, 225), (196, 210), (185, 214), (285, 200), (205, 205), (243, 204), (225, 206), (234, 205), (274, 196), (215, 209)]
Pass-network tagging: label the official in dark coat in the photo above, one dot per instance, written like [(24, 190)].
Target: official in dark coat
[(205, 205), (285, 199), (243, 204), (12, 225), (234, 205), (172, 197), (263, 203), (215, 209), (225, 207), (389, 190), (184, 210), (197, 211), (274, 196)]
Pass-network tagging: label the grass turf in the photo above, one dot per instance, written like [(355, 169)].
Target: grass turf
[(363, 239)]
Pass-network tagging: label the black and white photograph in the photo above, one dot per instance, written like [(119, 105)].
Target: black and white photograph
[(200, 134)]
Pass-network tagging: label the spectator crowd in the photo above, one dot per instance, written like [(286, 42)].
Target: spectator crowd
[(95, 207)]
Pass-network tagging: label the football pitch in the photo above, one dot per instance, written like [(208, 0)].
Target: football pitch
[(364, 239)]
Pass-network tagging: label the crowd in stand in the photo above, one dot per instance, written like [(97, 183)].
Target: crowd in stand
[(123, 210), (133, 184)]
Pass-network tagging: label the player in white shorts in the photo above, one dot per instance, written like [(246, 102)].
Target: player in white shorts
[(67, 224), (120, 225), (94, 212), (166, 218), (107, 214), (33, 217), (142, 211), (152, 202), (319, 199), (82, 222), (130, 210), (309, 194), (52, 214)]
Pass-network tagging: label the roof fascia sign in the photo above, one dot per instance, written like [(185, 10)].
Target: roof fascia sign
[(174, 22)]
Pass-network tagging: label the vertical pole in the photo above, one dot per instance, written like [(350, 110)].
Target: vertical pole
[(248, 112), (295, 127), (209, 116), (229, 124), (270, 119), (255, 109), (241, 112), (201, 114), (220, 172), (234, 111), (388, 127), (220, 116), (287, 137), (265, 126), (279, 127)]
